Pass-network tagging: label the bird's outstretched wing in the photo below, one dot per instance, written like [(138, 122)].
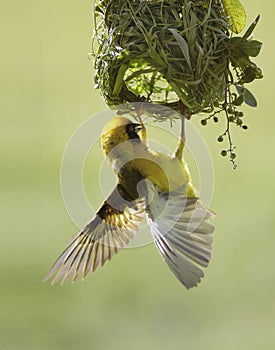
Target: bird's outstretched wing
[(180, 229), (114, 224)]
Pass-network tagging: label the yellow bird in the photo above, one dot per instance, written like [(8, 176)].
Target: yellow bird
[(152, 185)]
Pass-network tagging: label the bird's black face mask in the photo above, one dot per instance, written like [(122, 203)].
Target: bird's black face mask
[(132, 129)]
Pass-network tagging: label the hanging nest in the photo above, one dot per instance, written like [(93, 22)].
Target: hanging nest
[(166, 51), (163, 51)]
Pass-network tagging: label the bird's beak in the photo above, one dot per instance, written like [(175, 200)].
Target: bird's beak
[(138, 128), (141, 131)]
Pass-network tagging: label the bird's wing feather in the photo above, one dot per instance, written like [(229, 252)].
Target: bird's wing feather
[(181, 231), (114, 225)]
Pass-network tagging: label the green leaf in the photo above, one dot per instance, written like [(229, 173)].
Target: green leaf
[(241, 60), (250, 29), (238, 101), (251, 48), (249, 98), (235, 10), (260, 74), (183, 46)]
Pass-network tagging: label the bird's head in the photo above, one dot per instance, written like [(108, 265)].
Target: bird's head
[(119, 130)]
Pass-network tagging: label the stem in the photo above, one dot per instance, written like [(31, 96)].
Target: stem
[(227, 132), (138, 108), (182, 109), (182, 138)]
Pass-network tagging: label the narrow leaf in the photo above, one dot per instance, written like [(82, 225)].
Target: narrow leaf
[(183, 46), (250, 29)]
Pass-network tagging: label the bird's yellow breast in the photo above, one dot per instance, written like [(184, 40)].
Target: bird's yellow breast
[(166, 172), (133, 161)]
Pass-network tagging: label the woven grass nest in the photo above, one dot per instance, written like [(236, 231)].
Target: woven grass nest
[(166, 51)]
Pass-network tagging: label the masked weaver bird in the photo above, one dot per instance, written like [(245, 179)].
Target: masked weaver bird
[(152, 185)]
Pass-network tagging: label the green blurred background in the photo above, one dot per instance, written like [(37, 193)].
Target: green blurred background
[(133, 302)]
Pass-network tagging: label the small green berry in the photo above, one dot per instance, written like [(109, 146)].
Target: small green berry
[(216, 104), (220, 139), (231, 110), (231, 119), (233, 155), (241, 114), (203, 122), (239, 122), (224, 153), (216, 119)]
